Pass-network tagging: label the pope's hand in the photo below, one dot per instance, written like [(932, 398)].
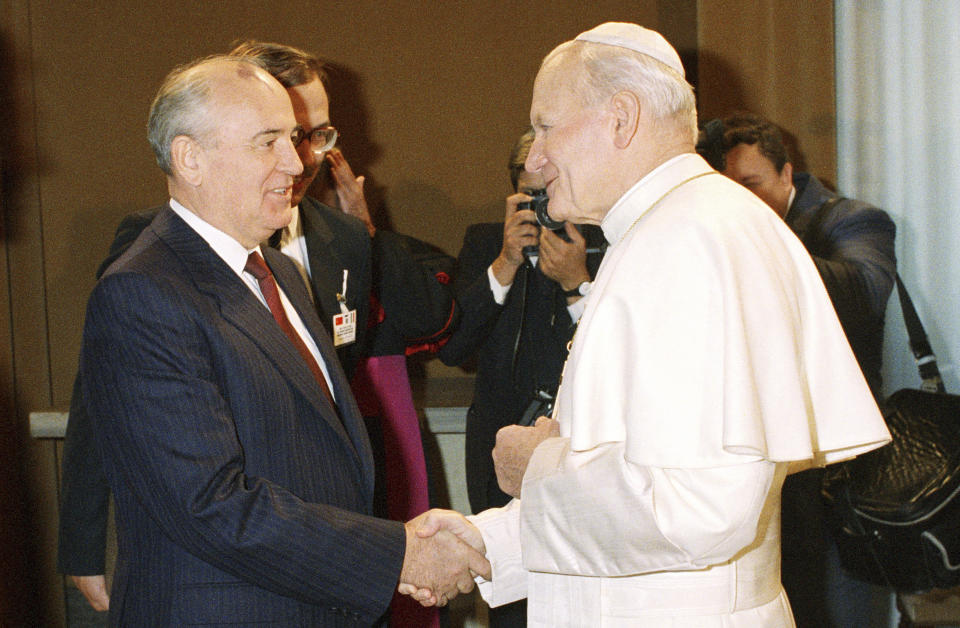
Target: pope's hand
[(515, 445)]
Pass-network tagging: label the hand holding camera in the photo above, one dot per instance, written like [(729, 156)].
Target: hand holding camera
[(563, 256), (520, 230), (538, 204)]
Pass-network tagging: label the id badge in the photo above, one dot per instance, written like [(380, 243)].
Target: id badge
[(344, 323), (344, 328)]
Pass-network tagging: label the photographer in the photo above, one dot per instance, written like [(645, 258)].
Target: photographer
[(520, 291)]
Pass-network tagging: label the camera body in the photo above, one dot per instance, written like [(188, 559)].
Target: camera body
[(539, 204)]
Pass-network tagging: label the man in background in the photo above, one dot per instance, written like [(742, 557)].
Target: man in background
[(852, 246), (851, 242)]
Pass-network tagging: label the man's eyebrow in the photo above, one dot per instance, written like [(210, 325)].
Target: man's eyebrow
[(266, 132)]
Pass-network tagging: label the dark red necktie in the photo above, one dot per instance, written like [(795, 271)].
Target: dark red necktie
[(268, 286)]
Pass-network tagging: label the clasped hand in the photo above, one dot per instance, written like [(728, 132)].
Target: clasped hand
[(514, 448), (444, 554)]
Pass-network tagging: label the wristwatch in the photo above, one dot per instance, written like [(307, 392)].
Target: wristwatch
[(580, 291)]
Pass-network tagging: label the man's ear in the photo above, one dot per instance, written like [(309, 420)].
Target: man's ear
[(786, 174), (625, 107), (185, 159)]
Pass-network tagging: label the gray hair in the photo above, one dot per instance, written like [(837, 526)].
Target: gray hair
[(291, 66), (181, 106), (605, 70)]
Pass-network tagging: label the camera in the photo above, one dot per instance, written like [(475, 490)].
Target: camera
[(539, 206), (538, 203)]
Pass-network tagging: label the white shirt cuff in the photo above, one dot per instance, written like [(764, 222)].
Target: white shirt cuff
[(499, 292), (500, 528)]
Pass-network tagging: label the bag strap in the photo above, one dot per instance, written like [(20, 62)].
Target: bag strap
[(930, 379)]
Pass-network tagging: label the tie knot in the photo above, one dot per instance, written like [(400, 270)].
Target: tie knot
[(256, 266)]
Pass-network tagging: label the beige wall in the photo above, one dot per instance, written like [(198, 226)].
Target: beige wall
[(771, 58), (429, 98)]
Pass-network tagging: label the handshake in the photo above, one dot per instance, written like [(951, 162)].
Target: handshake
[(444, 554), (444, 550)]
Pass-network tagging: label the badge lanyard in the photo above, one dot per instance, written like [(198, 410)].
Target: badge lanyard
[(344, 322)]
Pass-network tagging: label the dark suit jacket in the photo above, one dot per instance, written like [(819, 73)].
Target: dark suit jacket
[(336, 241), (539, 326), (241, 496), (853, 248), (414, 306), (417, 308), (85, 494)]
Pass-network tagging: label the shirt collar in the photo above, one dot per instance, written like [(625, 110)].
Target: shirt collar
[(647, 191), (231, 251), (793, 195)]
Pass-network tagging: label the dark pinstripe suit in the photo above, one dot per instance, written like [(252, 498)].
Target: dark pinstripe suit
[(241, 497)]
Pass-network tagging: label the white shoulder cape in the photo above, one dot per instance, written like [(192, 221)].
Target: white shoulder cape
[(708, 336)]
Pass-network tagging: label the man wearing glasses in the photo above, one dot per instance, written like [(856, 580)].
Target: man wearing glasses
[(337, 251), (332, 250)]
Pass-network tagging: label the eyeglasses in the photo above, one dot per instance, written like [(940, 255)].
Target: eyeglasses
[(321, 138)]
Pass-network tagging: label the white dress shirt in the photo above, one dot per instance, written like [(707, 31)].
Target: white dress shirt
[(235, 255)]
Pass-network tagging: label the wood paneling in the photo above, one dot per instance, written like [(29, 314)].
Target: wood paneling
[(774, 58), (24, 597)]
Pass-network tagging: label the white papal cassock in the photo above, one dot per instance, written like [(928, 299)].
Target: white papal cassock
[(708, 359)]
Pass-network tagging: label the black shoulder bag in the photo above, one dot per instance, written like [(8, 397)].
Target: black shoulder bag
[(895, 511)]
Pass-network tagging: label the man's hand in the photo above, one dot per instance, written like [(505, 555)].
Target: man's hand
[(349, 189), (94, 588), (515, 445), (439, 563), (520, 229), (564, 262), (435, 520)]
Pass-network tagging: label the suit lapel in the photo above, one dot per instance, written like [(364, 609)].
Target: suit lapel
[(326, 267), (291, 283), (239, 306)]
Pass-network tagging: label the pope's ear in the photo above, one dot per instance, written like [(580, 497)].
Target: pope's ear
[(185, 159), (626, 112)]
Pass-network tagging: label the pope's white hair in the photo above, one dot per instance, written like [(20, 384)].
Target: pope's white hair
[(604, 70)]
